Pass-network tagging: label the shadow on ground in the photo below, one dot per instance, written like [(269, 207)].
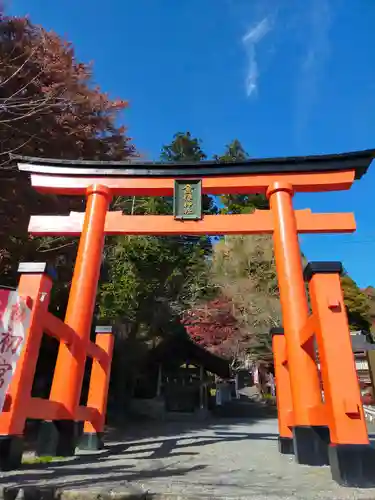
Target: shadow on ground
[(137, 451), (102, 467), (238, 412)]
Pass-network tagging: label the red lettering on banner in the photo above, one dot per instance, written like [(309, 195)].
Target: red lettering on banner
[(14, 322), (18, 312), (9, 342), (4, 298), (5, 367)]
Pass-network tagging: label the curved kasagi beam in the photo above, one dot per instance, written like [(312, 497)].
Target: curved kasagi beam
[(236, 184), (358, 161)]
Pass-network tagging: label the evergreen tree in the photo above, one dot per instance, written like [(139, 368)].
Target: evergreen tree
[(183, 148), (187, 149), (152, 280), (370, 294), (239, 203), (177, 254)]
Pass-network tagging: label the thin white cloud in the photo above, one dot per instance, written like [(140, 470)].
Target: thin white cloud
[(257, 32), (250, 40)]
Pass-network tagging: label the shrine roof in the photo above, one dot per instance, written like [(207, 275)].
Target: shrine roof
[(179, 348), (360, 342), (355, 160)]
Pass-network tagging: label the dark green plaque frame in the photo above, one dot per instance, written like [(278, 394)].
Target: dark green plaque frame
[(179, 199)]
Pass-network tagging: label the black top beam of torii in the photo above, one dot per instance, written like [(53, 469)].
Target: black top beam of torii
[(133, 167)]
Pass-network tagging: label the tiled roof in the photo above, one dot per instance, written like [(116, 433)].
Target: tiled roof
[(360, 342)]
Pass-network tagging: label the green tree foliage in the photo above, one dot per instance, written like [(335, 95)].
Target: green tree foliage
[(167, 270), (370, 294), (357, 305), (244, 270), (240, 203), (183, 148), (152, 280), (187, 149)]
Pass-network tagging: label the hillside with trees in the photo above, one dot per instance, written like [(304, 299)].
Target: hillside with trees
[(369, 292), (357, 304)]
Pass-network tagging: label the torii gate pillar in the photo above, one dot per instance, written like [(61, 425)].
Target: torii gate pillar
[(306, 394)]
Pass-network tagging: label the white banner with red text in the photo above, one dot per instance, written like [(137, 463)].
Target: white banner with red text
[(14, 323)]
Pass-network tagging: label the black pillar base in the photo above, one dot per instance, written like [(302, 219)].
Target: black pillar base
[(311, 445), (57, 439), (11, 449), (91, 441), (285, 445), (353, 465)]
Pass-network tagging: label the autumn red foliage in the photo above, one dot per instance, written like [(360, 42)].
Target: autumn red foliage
[(213, 326), (48, 101), (48, 108)]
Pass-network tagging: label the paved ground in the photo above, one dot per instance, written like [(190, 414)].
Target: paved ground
[(221, 459)]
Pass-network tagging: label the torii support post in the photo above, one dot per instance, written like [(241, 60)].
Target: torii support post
[(70, 365), (310, 432), (92, 438), (35, 283), (283, 392), (351, 457)]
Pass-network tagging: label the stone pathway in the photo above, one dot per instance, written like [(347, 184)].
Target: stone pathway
[(220, 459)]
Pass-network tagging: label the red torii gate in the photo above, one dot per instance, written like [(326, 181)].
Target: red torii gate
[(318, 432)]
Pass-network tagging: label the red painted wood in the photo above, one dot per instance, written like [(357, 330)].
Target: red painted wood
[(258, 222), (303, 182)]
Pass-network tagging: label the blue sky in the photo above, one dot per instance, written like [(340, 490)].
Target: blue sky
[(284, 76)]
